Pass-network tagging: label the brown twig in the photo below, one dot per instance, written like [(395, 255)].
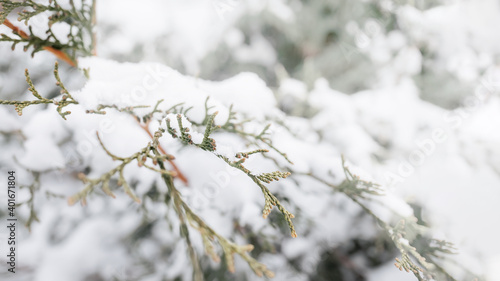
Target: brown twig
[(181, 176), (58, 53)]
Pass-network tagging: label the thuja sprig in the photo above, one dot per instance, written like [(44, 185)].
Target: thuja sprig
[(229, 248), (104, 180), (397, 235), (209, 235), (426, 269), (356, 188), (147, 118), (185, 214), (207, 111), (247, 154), (438, 247), (262, 137), (434, 249), (274, 176), (231, 117), (66, 98), (232, 125), (209, 144), (185, 137), (127, 109), (80, 20), (270, 199), (411, 259), (353, 186)]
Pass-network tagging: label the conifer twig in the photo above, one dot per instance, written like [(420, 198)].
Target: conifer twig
[(66, 98), (357, 189), (146, 119), (58, 53), (208, 234), (104, 180), (209, 144), (180, 175)]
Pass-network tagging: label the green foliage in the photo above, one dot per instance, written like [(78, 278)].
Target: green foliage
[(354, 187), (412, 260), (186, 215), (209, 144), (422, 261), (80, 39), (66, 98)]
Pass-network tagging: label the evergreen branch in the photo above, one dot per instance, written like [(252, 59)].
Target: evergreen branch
[(146, 119), (178, 109), (140, 157), (357, 189), (66, 98), (178, 172), (274, 176), (80, 20), (406, 250), (35, 41), (127, 109), (247, 154), (209, 144), (184, 136), (126, 187), (256, 138), (232, 126), (354, 187), (178, 207), (442, 246), (230, 117), (207, 114), (270, 199), (209, 235)]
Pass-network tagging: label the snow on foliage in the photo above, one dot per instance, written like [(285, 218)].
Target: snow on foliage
[(419, 168)]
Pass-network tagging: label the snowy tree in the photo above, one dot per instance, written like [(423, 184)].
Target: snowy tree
[(293, 140)]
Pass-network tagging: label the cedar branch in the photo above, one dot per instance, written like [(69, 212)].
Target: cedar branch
[(176, 169), (58, 53)]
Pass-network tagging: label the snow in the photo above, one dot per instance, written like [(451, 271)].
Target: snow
[(408, 61), (388, 272), (253, 100), (293, 248), (41, 154), (35, 127), (9, 122), (493, 268), (446, 161), (260, 51), (75, 254)]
